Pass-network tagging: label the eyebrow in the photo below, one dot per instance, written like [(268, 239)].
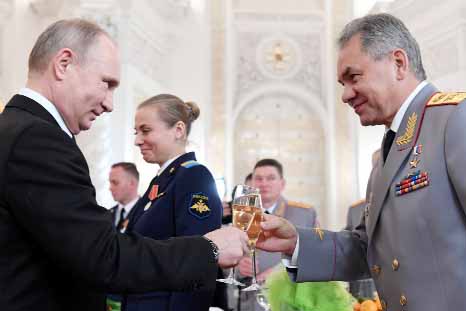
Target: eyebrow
[(344, 75)]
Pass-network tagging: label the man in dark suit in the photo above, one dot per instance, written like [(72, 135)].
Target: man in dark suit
[(412, 237), (59, 249), (124, 181)]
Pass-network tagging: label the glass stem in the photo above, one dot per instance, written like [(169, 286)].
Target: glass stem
[(253, 253)]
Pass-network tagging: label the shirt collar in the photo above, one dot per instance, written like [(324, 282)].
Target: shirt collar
[(272, 208), (401, 112), (128, 206), (44, 102), (167, 163)]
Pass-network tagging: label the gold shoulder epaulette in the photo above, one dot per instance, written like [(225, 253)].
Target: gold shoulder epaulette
[(358, 203), (446, 98), (299, 204)]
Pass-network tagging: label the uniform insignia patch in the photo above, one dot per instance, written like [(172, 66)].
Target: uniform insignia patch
[(199, 206), (409, 131), (190, 163), (452, 98), (417, 150), (412, 182), (153, 192), (319, 232)]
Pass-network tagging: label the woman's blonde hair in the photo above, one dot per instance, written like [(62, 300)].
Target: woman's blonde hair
[(172, 109)]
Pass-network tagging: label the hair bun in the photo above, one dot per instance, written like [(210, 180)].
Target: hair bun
[(194, 110)]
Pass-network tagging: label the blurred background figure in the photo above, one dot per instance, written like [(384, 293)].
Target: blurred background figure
[(267, 176), (124, 181)]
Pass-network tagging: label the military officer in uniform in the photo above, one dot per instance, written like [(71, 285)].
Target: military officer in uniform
[(182, 200), (412, 238), (267, 176)]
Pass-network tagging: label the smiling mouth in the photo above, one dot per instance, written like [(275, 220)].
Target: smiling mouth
[(357, 108)]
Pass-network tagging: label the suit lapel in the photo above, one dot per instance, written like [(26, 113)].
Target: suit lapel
[(405, 139), (27, 104)]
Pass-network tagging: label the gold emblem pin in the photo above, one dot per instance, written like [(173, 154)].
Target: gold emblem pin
[(319, 232), (414, 162)]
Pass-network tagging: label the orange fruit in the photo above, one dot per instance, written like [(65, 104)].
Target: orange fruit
[(368, 305)]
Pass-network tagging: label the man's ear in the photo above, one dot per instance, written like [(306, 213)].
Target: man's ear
[(401, 61), (283, 184), (62, 62)]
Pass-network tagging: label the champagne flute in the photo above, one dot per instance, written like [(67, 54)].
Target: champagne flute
[(243, 216), (253, 234), (261, 299)]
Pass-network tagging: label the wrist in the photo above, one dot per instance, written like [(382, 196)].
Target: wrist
[(292, 247)]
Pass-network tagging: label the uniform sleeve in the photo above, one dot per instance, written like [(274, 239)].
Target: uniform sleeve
[(455, 151), (52, 199), (198, 208), (327, 255)]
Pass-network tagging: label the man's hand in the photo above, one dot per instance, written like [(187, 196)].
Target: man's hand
[(232, 244), (278, 235), (245, 266)]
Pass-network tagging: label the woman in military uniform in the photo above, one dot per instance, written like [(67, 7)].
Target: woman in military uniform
[(181, 200)]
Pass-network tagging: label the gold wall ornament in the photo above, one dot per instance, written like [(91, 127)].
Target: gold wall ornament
[(278, 57), (409, 132)]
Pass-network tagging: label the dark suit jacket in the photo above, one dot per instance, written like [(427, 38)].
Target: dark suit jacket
[(183, 186), (54, 238)]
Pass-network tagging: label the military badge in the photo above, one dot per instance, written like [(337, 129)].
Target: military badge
[(417, 150), (409, 131), (319, 232), (413, 181), (414, 162), (199, 206), (147, 206), (153, 192)]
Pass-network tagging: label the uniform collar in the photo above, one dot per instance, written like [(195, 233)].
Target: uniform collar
[(402, 111), (167, 163), (172, 164)]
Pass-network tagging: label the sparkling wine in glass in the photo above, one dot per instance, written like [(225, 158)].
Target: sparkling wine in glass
[(243, 216)]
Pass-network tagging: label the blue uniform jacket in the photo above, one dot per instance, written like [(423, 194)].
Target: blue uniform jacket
[(182, 201)]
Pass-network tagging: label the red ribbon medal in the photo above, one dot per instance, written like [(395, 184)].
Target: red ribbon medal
[(153, 192)]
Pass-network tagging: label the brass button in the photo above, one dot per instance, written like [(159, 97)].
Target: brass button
[(395, 264), (376, 270), (383, 304), (403, 300)]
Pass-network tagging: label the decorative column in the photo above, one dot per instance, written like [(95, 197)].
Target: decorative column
[(6, 10)]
